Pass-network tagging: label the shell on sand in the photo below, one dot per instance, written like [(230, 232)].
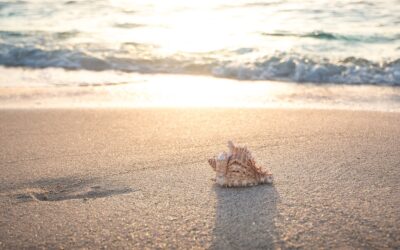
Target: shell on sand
[(238, 168)]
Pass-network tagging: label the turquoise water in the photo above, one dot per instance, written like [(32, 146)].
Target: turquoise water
[(338, 42)]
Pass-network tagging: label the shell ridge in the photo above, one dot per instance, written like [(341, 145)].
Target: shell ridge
[(246, 172)]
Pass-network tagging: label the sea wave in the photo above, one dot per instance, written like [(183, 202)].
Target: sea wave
[(286, 67), (290, 67), (322, 35)]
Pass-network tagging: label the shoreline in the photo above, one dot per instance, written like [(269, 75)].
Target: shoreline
[(204, 109), (134, 178), (83, 89)]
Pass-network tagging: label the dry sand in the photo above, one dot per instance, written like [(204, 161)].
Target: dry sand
[(129, 178)]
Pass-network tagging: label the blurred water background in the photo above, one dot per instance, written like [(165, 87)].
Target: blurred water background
[(339, 43)]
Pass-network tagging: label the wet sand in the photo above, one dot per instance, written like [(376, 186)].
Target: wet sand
[(135, 178)]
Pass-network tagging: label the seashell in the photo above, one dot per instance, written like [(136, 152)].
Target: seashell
[(238, 168)]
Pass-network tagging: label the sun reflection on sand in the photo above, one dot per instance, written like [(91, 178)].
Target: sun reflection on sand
[(61, 88), (182, 91)]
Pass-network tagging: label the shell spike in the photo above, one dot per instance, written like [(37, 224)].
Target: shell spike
[(231, 146)]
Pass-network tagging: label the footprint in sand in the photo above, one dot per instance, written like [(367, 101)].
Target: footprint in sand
[(67, 190)]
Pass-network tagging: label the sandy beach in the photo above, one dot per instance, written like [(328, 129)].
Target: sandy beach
[(139, 178), (110, 111)]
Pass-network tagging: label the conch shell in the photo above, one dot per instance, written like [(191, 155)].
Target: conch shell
[(238, 168)]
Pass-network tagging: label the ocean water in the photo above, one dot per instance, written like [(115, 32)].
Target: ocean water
[(335, 43)]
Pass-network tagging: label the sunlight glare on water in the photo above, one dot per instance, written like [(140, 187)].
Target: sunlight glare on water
[(205, 26)]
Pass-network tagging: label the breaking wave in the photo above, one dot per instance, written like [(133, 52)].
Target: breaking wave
[(296, 68), (290, 67)]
